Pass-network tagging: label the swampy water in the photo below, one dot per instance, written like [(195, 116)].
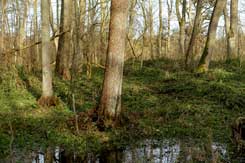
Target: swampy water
[(152, 151)]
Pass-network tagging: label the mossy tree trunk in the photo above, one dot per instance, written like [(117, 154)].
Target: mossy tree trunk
[(110, 102), (206, 56)]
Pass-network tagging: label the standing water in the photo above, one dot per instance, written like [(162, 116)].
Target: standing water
[(152, 151)]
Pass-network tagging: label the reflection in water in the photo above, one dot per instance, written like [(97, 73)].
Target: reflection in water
[(148, 151), (166, 152)]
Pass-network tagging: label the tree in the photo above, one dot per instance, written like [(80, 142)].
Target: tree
[(151, 30), (233, 32), (206, 56), (170, 10), (3, 9), (63, 54), (110, 102), (160, 30), (182, 21), (47, 98), (195, 30)]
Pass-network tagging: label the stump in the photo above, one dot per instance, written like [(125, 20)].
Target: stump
[(238, 133)]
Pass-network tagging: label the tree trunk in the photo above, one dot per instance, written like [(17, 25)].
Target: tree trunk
[(170, 10), (194, 34), (182, 21), (142, 58), (47, 88), (64, 53), (110, 103), (233, 33), (3, 5), (22, 34), (160, 31), (131, 34), (36, 35), (206, 56), (151, 30), (227, 30)]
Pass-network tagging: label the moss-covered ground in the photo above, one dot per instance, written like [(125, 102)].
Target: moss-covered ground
[(161, 100)]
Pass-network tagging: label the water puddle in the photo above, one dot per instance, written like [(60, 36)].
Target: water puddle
[(165, 151)]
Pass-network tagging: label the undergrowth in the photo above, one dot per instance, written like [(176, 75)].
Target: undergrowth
[(161, 100)]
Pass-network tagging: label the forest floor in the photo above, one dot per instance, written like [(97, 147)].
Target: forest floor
[(161, 100)]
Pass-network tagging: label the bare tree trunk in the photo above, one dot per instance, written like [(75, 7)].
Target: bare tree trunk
[(131, 25), (36, 35), (151, 30), (233, 33), (170, 10), (57, 13), (144, 34), (110, 103), (47, 87), (160, 31), (3, 5), (182, 21), (103, 7), (22, 33), (206, 56), (227, 30), (64, 53), (194, 34)]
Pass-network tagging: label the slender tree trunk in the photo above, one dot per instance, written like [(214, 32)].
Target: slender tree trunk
[(206, 56), (151, 30), (170, 9), (144, 34), (227, 30), (160, 31), (36, 35), (22, 34), (233, 33), (64, 53), (57, 13), (182, 21), (194, 34), (110, 103), (47, 87), (3, 5), (131, 25), (103, 7)]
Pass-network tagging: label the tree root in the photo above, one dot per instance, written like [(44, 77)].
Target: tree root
[(48, 101)]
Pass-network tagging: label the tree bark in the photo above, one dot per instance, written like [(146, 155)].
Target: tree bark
[(3, 8), (233, 33), (151, 30), (227, 30), (182, 21), (206, 56), (160, 31), (22, 33), (194, 34), (170, 10), (36, 35), (110, 102), (47, 87), (64, 53)]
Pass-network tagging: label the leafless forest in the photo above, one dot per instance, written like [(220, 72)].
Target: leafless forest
[(84, 75)]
